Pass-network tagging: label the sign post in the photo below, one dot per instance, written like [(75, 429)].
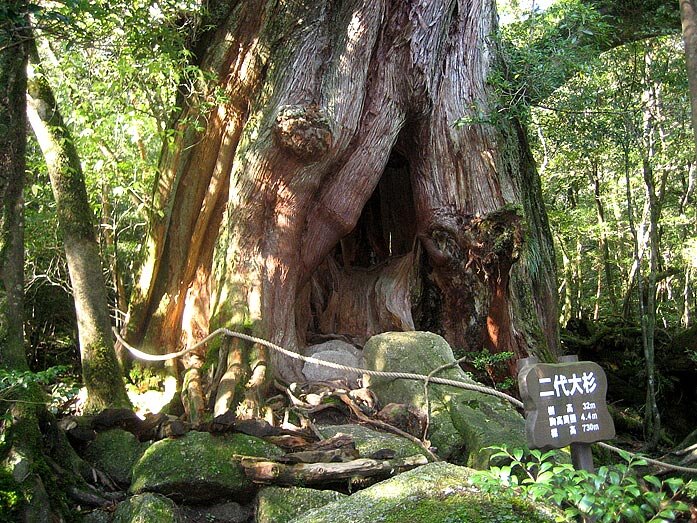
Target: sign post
[(565, 405)]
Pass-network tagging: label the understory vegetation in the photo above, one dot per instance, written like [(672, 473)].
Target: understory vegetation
[(617, 492)]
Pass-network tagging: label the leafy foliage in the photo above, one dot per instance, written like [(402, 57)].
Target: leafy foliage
[(615, 493), (489, 367), (605, 128), (539, 50), (595, 121), (115, 69), (56, 380)]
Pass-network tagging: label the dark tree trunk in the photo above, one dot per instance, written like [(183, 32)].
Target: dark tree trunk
[(688, 17), (13, 128), (21, 451), (603, 239)]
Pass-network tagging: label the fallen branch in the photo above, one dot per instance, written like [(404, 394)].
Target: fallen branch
[(313, 473)]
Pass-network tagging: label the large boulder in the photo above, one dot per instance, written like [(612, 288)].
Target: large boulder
[(199, 467), (115, 452), (280, 505), (434, 493), (333, 351), (463, 423), (147, 508)]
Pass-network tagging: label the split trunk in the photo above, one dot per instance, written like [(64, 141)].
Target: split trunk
[(323, 187)]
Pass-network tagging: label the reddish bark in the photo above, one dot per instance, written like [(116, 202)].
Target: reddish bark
[(343, 161)]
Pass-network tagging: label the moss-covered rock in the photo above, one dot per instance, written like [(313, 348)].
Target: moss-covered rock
[(369, 441), (280, 505), (115, 452), (199, 467), (435, 493), (147, 508), (463, 422)]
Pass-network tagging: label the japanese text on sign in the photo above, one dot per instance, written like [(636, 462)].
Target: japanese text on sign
[(565, 403), (569, 386)]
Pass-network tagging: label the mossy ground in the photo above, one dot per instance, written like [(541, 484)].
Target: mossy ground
[(434, 493), (147, 508), (474, 508), (115, 452)]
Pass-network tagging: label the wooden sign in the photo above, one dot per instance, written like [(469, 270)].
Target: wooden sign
[(564, 403)]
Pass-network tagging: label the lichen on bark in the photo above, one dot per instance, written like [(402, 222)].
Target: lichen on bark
[(100, 370)]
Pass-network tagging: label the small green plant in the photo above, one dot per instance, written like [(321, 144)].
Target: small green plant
[(490, 367), (143, 378), (614, 493), (11, 497)]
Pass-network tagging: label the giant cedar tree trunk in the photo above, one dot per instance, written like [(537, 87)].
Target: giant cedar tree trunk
[(337, 193)]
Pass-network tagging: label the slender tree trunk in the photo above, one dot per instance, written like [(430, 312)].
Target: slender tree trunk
[(603, 239), (100, 369), (687, 298), (111, 252), (13, 57), (566, 289), (688, 17), (578, 276), (110, 236), (652, 419), (21, 452)]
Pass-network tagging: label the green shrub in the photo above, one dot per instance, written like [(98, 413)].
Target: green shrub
[(614, 493), (55, 381)]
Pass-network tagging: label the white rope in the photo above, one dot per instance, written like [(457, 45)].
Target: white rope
[(382, 374)]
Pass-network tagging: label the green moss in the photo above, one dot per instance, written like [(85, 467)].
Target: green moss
[(147, 508), (435, 493), (369, 441), (102, 377), (115, 452), (11, 497), (198, 466), (473, 508), (280, 505), (463, 422)]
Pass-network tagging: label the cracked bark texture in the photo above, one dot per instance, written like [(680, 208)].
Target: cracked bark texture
[(331, 184)]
